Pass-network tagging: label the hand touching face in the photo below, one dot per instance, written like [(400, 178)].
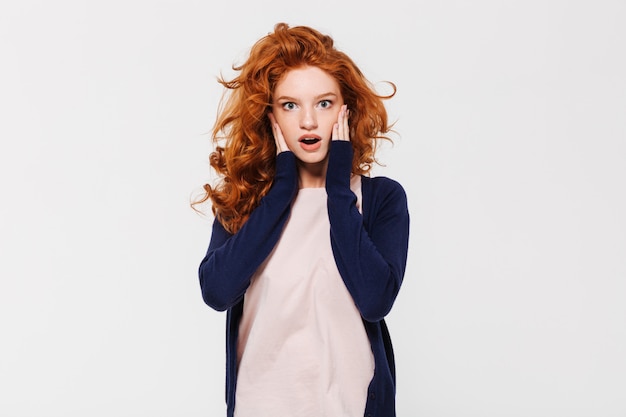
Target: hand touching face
[(281, 145), (341, 130)]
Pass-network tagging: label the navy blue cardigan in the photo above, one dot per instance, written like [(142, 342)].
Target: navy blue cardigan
[(370, 251)]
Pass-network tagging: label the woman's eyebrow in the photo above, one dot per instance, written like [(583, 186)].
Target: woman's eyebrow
[(325, 95), (288, 98)]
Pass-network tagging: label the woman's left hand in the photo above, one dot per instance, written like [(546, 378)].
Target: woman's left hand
[(341, 130)]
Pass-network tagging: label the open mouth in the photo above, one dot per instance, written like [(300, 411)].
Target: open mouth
[(309, 141)]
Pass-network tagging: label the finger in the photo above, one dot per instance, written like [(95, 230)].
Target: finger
[(273, 124), (342, 120), (281, 145), (338, 130), (346, 123)]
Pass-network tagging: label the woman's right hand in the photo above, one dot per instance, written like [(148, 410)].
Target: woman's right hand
[(281, 144)]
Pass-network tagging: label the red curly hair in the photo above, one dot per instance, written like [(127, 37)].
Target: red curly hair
[(246, 160)]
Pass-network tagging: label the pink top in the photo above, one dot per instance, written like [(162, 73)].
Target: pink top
[(302, 348)]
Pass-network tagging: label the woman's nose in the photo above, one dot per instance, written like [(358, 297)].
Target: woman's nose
[(308, 120)]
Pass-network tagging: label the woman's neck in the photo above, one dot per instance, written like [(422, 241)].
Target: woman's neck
[(312, 175)]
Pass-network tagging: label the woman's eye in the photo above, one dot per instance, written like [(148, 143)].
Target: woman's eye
[(289, 106), (325, 104)]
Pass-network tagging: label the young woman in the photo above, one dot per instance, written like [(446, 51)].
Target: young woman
[(307, 252)]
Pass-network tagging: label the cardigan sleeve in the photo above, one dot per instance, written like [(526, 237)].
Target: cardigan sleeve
[(371, 262), (231, 260)]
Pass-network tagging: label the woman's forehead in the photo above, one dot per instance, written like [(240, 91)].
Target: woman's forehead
[(307, 81)]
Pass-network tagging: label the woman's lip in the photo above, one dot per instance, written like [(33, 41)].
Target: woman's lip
[(311, 147), (304, 137)]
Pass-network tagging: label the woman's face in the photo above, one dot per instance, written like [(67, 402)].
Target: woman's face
[(306, 105)]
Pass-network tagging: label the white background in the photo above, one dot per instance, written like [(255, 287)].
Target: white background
[(511, 147)]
